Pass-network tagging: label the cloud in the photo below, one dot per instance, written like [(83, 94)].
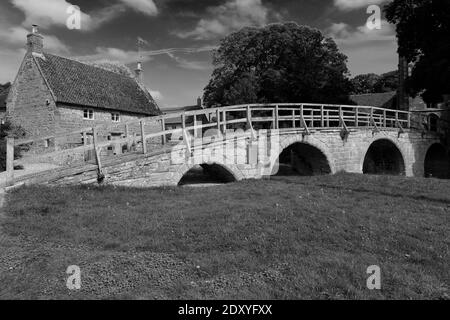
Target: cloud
[(345, 34), (229, 17), (157, 95), (147, 7), (356, 4), (115, 54), (131, 57), (368, 50), (190, 65), (47, 13), (16, 37)]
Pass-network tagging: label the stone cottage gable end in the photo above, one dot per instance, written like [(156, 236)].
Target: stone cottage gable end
[(30, 103)]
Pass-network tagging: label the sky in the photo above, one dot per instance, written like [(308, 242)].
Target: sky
[(177, 36)]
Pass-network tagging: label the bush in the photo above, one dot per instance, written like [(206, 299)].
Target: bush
[(14, 131)]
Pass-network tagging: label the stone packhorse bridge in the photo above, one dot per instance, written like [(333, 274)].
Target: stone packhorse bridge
[(238, 142)]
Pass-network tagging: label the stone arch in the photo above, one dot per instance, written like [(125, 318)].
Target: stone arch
[(383, 156), (218, 172), (308, 155), (437, 162)]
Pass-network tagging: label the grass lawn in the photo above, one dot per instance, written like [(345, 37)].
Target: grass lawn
[(285, 238)]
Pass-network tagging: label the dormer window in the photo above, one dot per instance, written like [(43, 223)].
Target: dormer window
[(115, 117), (88, 114)]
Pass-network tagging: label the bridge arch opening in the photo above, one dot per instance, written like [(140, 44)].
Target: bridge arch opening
[(207, 174), (302, 159), (384, 158), (437, 162)]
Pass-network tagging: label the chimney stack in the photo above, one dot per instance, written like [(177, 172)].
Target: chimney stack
[(139, 72), (35, 41), (403, 74), (199, 102)]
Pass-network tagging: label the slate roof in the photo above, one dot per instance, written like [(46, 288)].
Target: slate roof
[(77, 83), (380, 100)]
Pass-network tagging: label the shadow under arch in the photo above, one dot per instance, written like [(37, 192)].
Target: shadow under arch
[(437, 162), (302, 159), (206, 174), (384, 158)]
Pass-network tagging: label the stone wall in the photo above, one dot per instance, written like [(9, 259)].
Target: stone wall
[(30, 104), (166, 169)]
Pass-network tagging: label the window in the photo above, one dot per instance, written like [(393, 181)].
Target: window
[(88, 114), (115, 117)]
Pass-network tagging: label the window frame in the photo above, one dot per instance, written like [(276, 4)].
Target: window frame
[(90, 114), (115, 117)]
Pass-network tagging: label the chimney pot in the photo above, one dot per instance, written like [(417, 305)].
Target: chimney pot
[(138, 72), (35, 41)]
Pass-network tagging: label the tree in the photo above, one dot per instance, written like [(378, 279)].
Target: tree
[(4, 87), (423, 32), (373, 83), (278, 63), (365, 83), (7, 129), (387, 82)]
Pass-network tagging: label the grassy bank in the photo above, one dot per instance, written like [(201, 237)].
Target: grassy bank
[(287, 238)]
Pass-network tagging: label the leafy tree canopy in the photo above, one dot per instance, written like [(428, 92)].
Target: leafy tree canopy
[(373, 83), (278, 63), (4, 87), (423, 31), (365, 83)]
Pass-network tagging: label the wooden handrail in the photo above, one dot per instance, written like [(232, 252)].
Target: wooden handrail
[(238, 108), (310, 115)]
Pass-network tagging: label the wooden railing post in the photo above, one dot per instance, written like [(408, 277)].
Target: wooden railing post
[(224, 126), (277, 117), (144, 141), (409, 120), (372, 119), (293, 118), (302, 119), (249, 118), (97, 152), (385, 118), (356, 117), (10, 161), (218, 121), (322, 116), (195, 127), (94, 137), (86, 153), (397, 122), (163, 128), (127, 135)]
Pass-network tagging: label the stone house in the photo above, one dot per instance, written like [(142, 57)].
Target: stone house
[(53, 95)]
